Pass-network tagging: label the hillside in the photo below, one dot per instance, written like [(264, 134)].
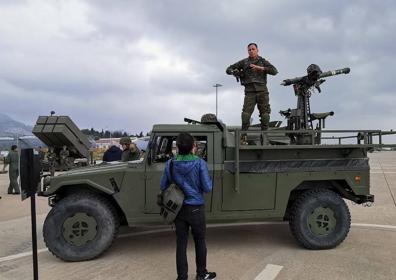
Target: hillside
[(11, 127)]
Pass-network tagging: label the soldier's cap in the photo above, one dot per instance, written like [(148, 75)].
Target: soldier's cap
[(125, 141)]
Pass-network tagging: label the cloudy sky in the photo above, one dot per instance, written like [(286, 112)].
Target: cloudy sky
[(118, 64)]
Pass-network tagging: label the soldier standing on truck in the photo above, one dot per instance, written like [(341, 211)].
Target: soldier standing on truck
[(252, 72), (129, 150)]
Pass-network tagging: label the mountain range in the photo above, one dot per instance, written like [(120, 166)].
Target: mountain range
[(10, 127)]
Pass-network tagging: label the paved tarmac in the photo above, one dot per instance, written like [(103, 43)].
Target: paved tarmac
[(243, 252)]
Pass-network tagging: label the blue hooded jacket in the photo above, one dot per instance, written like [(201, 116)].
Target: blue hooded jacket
[(192, 176)]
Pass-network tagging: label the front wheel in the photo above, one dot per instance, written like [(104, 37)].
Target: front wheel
[(320, 219), (80, 227)]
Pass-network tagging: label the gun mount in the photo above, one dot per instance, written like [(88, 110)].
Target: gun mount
[(301, 117)]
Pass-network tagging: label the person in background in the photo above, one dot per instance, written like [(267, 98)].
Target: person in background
[(130, 150), (12, 160), (112, 154)]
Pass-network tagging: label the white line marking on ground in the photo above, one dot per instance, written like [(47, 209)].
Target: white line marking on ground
[(386, 172), (374, 226), (387, 184), (26, 254), (269, 272), (20, 255)]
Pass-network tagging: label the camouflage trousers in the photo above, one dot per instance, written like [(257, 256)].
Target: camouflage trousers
[(13, 186), (261, 98)]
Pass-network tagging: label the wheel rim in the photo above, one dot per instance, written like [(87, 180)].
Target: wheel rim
[(321, 221), (79, 229)]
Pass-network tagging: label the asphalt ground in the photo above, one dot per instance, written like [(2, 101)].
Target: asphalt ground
[(243, 251)]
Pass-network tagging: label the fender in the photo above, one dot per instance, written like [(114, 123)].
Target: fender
[(78, 182)]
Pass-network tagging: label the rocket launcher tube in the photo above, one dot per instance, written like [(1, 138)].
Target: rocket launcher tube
[(296, 80), (335, 72)]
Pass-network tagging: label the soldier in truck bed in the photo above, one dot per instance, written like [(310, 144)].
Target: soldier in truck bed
[(252, 71)]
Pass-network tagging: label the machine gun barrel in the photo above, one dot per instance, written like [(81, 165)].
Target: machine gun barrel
[(296, 80)]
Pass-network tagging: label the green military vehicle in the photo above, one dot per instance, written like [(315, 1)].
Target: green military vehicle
[(291, 173)]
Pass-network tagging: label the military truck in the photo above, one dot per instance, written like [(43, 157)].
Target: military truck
[(281, 175)]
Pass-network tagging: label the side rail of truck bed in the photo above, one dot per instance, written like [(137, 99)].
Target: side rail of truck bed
[(315, 138), (329, 139)]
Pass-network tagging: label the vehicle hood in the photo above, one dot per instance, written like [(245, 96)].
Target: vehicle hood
[(103, 167)]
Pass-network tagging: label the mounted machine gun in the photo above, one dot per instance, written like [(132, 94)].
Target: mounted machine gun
[(301, 118)]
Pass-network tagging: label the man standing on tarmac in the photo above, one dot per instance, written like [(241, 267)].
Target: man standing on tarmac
[(191, 174), (12, 160), (129, 150), (252, 72)]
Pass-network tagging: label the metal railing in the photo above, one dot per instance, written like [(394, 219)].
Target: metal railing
[(369, 139)]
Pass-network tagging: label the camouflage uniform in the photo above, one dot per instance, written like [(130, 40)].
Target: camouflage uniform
[(51, 162), (256, 92), (131, 153), (64, 159), (13, 171)]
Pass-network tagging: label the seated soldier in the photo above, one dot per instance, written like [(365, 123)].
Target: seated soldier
[(130, 150)]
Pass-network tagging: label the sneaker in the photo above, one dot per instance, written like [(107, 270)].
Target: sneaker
[(207, 276)]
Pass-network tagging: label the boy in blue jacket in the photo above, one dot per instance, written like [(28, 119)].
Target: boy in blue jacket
[(191, 174)]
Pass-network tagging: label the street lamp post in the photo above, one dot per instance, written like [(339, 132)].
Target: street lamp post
[(217, 86)]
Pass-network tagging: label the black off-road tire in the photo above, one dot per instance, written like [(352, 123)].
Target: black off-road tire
[(80, 227), (319, 219)]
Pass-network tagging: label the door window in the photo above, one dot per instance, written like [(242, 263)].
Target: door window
[(165, 148)]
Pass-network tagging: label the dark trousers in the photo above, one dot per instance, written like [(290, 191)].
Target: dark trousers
[(13, 186), (194, 217)]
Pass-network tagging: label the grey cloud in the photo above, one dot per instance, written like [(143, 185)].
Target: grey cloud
[(110, 63)]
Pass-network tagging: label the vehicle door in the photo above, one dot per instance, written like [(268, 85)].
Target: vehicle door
[(163, 148)]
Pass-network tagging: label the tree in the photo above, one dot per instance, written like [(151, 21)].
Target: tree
[(116, 134)]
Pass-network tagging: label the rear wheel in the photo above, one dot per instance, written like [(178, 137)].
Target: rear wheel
[(80, 227), (319, 219)]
